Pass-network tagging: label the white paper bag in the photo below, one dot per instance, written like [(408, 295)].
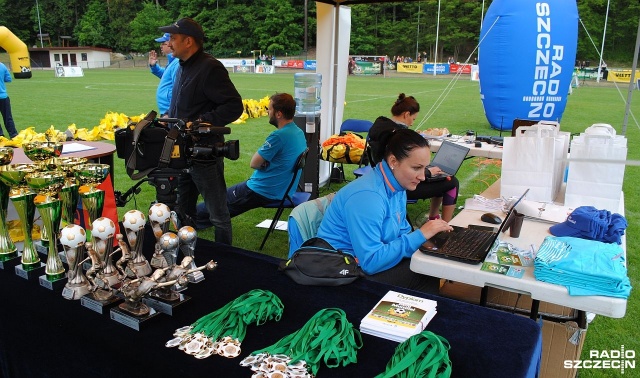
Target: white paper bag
[(534, 160), (596, 183)]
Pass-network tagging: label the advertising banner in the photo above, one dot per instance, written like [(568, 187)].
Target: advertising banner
[(409, 67), (460, 68), (310, 65), (243, 69), (264, 69), (367, 68), (623, 76), (441, 69)]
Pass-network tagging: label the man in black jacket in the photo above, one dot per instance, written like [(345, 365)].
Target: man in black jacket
[(202, 92)]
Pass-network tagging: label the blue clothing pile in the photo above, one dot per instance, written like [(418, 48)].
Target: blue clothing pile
[(585, 267), (587, 222)]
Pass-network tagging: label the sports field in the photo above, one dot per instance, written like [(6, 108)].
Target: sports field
[(44, 100)]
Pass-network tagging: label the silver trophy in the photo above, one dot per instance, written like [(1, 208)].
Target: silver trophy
[(102, 233), (188, 237), (159, 219), (133, 222), (135, 290), (73, 238)]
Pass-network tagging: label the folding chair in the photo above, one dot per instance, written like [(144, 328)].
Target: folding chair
[(288, 201), (355, 126)]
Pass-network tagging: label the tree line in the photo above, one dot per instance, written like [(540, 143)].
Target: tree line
[(277, 27)]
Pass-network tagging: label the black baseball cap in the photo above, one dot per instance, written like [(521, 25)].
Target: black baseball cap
[(186, 26)]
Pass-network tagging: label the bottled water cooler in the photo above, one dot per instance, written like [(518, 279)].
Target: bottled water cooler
[(307, 95)]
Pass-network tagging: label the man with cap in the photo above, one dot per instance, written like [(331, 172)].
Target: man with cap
[(166, 74), (202, 92)]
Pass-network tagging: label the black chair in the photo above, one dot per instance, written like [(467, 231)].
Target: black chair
[(288, 201)]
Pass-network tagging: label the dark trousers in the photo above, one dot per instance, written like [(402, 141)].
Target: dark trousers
[(240, 199), (5, 110)]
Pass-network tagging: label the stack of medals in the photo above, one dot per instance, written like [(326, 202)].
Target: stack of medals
[(276, 366), (222, 331), (328, 336)]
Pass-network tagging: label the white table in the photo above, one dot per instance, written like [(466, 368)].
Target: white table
[(533, 232), (486, 150)]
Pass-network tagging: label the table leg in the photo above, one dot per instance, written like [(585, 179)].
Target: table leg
[(535, 307), (484, 293)]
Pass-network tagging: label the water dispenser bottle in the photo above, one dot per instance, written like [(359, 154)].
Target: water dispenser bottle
[(307, 95)]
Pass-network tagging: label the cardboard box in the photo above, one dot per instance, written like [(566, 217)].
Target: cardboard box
[(562, 339)]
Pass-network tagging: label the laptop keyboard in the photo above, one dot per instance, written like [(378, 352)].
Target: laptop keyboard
[(467, 244)]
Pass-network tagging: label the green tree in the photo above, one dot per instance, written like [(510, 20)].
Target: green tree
[(278, 28), (92, 29), (144, 27)]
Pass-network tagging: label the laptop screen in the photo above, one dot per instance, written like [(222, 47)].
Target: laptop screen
[(449, 157)]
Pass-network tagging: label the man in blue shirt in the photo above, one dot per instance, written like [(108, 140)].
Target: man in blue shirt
[(166, 74), (5, 104), (273, 163)]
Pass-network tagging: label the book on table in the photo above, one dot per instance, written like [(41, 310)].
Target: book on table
[(398, 316)]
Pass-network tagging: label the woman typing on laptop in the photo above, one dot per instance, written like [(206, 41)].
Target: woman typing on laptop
[(367, 217), (444, 192)]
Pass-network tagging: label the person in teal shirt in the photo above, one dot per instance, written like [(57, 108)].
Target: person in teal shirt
[(5, 103), (272, 163), (368, 217)]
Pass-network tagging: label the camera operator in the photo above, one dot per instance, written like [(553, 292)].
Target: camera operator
[(202, 92), (273, 163)]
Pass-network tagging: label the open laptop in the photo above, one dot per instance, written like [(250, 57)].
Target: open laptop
[(449, 158), (469, 245)]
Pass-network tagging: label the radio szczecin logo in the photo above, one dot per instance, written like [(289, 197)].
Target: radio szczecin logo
[(621, 359)]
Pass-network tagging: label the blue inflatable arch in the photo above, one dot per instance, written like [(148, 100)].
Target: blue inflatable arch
[(526, 59)]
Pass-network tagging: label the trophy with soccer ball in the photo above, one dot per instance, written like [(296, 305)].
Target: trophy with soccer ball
[(133, 222), (159, 219), (73, 238)]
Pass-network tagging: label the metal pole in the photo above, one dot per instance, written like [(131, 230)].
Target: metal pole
[(306, 25), (435, 53), (604, 33), (39, 26), (418, 32), (631, 82)]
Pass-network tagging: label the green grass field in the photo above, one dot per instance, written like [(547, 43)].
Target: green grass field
[(44, 100)]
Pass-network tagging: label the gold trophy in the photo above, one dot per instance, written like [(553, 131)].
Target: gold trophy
[(47, 185), (8, 250), (73, 239), (133, 222), (40, 152), (69, 194), (89, 176), (13, 175)]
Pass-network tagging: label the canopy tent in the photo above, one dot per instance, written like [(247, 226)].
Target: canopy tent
[(332, 47)]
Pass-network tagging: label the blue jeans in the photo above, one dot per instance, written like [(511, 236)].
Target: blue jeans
[(239, 200), (5, 110), (206, 178)]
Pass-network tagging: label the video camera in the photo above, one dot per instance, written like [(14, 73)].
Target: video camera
[(199, 143), (160, 149)]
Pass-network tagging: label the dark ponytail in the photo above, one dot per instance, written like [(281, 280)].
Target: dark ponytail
[(401, 142)]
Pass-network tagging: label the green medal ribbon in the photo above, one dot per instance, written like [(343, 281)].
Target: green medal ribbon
[(423, 355), (257, 306), (327, 337)]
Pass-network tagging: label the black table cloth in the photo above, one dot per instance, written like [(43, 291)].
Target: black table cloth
[(44, 335)]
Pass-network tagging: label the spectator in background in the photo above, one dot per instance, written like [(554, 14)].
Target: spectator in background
[(272, 163), (5, 103), (403, 113), (203, 92), (166, 74)]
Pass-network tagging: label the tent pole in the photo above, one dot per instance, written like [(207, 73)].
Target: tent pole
[(604, 33), (631, 81), (435, 52)]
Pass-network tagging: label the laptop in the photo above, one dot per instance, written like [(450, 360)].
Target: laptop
[(469, 245), (449, 158)]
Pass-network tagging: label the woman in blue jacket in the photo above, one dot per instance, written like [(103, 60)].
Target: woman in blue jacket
[(368, 218)]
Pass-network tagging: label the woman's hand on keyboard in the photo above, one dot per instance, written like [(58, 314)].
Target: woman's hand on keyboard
[(433, 227)]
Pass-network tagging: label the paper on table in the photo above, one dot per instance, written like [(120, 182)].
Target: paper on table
[(281, 225), (76, 147)]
